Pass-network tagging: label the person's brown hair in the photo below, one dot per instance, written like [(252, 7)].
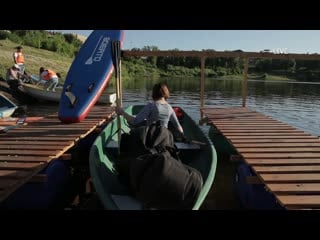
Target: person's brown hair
[(160, 90)]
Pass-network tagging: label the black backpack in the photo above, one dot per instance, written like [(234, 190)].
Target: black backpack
[(149, 162), (144, 140), (163, 182)]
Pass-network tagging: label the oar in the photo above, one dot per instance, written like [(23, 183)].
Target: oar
[(116, 58)]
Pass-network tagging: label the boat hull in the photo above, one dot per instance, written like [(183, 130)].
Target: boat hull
[(40, 93), (7, 107), (43, 95), (107, 182)]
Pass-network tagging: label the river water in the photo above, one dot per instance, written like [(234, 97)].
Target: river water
[(295, 103)]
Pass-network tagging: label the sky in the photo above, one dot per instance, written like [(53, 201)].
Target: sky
[(285, 41)]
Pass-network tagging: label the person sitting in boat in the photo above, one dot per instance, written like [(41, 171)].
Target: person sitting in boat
[(50, 78), (158, 109), (13, 73)]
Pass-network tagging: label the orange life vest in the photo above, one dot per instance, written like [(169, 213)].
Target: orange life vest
[(49, 74), (20, 58)]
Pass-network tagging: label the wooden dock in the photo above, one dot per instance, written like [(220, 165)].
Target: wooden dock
[(27, 149), (285, 159)]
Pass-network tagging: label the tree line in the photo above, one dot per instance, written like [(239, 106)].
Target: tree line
[(69, 45), (64, 44)]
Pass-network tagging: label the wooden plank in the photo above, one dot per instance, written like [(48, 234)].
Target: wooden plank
[(40, 138), (13, 174), (295, 188), (2, 194), (30, 152), (51, 122), (35, 142), (281, 155), (260, 131), (231, 111), (260, 120), (291, 178), (21, 176), (236, 117), (267, 134), (286, 138), (53, 132), (252, 114), (257, 127), (19, 165), (63, 135), (255, 120), (62, 125), (7, 183), (236, 124), (289, 161), (252, 117), (287, 169), (15, 158), (30, 147), (278, 145), (279, 149), (302, 201), (276, 140), (60, 128), (213, 110)]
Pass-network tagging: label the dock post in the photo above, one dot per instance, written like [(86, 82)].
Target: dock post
[(245, 82), (202, 82)]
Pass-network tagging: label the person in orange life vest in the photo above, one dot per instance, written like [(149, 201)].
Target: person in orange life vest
[(51, 78), (18, 58)]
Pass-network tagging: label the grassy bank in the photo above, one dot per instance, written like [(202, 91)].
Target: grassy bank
[(34, 59)]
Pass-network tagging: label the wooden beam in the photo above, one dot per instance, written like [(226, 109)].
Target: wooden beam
[(245, 82), (203, 120), (202, 82), (225, 54)]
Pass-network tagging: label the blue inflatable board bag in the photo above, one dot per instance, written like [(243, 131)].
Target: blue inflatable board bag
[(88, 75)]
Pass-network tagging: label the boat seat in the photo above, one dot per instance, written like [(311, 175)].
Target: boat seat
[(179, 145)]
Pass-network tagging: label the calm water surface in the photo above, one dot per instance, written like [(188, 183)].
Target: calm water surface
[(295, 103)]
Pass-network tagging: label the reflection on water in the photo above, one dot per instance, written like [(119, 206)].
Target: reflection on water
[(291, 102)]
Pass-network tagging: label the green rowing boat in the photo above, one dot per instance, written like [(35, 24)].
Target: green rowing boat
[(198, 153)]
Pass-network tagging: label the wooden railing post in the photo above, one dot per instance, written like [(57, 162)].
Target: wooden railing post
[(202, 83), (245, 82)]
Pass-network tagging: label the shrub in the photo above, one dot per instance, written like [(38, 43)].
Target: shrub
[(4, 34)]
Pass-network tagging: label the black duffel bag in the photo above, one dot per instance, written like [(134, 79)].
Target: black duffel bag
[(163, 182)]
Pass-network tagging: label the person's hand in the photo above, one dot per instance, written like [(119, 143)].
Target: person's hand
[(181, 137)]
